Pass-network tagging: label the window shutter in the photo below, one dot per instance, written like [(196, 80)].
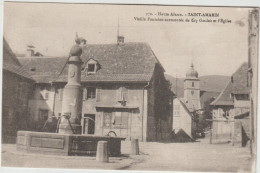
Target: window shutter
[(61, 94), (46, 95), (119, 94), (124, 119), (84, 94), (98, 94), (117, 119), (125, 93)]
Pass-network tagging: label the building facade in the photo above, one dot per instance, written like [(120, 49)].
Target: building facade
[(233, 102), (185, 109), (124, 91), (16, 88), (182, 118)]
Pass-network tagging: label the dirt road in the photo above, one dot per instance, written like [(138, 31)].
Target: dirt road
[(197, 156)]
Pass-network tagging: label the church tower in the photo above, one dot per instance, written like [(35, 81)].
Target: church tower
[(192, 90)]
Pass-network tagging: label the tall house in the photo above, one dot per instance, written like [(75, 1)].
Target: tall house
[(192, 90), (125, 92)]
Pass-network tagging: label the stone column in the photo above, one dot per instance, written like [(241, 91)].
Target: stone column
[(72, 95), (102, 152), (134, 147)]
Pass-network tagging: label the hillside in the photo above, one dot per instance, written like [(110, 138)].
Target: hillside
[(212, 83)]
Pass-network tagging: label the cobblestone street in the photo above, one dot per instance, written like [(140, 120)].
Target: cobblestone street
[(198, 156)]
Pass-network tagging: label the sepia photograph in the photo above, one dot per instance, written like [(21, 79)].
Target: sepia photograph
[(129, 87)]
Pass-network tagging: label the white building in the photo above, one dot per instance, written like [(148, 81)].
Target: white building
[(184, 109)]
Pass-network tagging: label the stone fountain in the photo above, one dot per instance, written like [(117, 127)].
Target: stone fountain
[(68, 140)]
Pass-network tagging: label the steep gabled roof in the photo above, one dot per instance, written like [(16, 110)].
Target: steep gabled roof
[(129, 62), (206, 95), (237, 85), (11, 63), (224, 98), (240, 81), (184, 106), (8, 55)]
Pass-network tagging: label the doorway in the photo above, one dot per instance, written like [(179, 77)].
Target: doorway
[(89, 123)]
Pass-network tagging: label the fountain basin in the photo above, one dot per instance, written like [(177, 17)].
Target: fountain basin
[(65, 144)]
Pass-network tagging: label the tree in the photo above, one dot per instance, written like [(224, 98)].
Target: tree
[(207, 113)]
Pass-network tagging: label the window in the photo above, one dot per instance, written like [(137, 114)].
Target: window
[(98, 94), (192, 84), (177, 110), (91, 68), (176, 113), (122, 94), (46, 95), (107, 119), (43, 115), (117, 120), (242, 96), (192, 92), (60, 93), (91, 93), (120, 120)]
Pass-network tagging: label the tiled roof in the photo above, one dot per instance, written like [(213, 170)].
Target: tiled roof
[(240, 82), (18, 70), (206, 95), (11, 63), (224, 98), (237, 85), (129, 62)]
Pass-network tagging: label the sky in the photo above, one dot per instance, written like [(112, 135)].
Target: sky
[(214, 48)]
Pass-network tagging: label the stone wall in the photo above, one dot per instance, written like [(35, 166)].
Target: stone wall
[(222, 131)]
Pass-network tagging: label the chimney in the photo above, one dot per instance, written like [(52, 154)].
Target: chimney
[(30, 51), (120, 39)]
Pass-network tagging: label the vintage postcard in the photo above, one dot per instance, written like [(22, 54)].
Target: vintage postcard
[(129, 87)]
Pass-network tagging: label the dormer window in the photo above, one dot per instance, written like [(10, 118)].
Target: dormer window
[(91, 66)]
